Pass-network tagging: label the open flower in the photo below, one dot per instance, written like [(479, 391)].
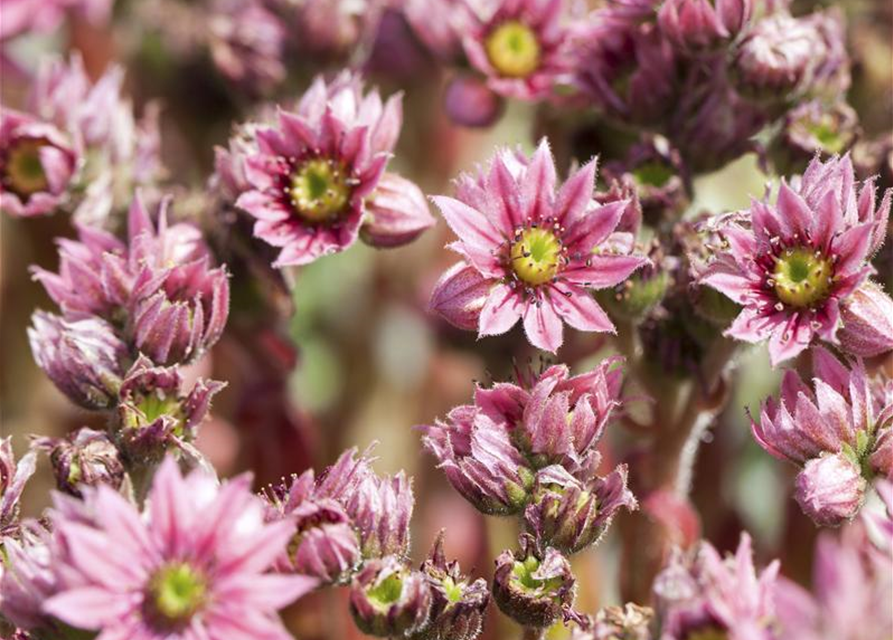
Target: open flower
[(194, 564), (703, 595), (797, 260), (538, 248), (518, 45), (314, 170), (37, 165), (839, 431)]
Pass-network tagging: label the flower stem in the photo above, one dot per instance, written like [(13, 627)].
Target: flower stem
[(533, 633)]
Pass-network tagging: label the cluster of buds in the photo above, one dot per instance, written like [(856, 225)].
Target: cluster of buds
[(840, 432), (78, 149), (529, 450)]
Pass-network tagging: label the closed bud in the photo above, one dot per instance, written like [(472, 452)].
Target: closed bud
[(13, 476), (396, 213), (867, 316), (830, 489), (634, 298), (569, 516), (531, 586), (84, 458), (471, 103), (325, 544), (457, 604), (700, 24), (388, 599), (83, 358), (811, 128), (459, 296)]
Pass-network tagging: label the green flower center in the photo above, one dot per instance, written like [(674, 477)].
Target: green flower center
[(387, 592), (24, 170), (452, 590), (152, 407), (522, 578), (319, 190), (513, 49), (827, 132), (536, 256), (653, 174), (802, 277), (176, 593)]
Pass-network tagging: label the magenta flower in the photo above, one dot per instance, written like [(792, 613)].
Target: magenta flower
[(796, 261), (313, 172), (247, 43), (159, 289), (538, 249), (38, 163), (13, 476), (193, 564), (703, 594), (838, 431), (519, 45)]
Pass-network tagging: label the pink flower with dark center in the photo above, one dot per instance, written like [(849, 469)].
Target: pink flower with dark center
[(538, 248), (793, 262), (519, 45), (194, 564), (313, 171), (38, 163)]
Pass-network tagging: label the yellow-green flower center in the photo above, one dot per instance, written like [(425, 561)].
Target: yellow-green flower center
[(387, 592), (536, 256), (319, 190), (513, 49), (523, 579), (24, 170), (176, 593), (802, 277)]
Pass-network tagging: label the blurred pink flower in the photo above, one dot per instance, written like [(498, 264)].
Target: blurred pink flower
[(194, 564), (13, 476), (796, 261), (538, 249)]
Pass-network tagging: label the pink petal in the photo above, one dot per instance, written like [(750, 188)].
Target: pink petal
[(538, 185), (472, 226), (501, 311), (576, 194), (603, 270), (580, 310), (89, 607), (543, 326)]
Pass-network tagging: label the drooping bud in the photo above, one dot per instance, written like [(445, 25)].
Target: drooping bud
[(153, 414), (469, 102), (457, 605), (397, 213), (533, 587), (84, 458), (388, 599), (569, 516), (84, 358), (830, 489), (459, 296), (867, 316)]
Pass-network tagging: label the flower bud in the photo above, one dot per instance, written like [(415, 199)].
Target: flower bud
[(388, 599), (247, 43), (533, 588), (812, 128), (634, 298), (86, 457), (867, 316), (83, 358), (630, 622), (325, 544), (397, 213), (459, 296), (830, 489), (570, 517), (381, 509), (699, 24), (13, 476), (457, 605), (154, 416), (469, 102)]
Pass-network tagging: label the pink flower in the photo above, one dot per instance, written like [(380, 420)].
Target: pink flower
[(867, 322), (38, 163), (704, 594), (312, 173), (519, 45), (194, 564), (791, 264), (247, 43), (537, 248), (13, 476), (698, 23)]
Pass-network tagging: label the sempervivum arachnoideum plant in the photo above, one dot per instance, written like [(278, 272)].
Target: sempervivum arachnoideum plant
[(792, 264)]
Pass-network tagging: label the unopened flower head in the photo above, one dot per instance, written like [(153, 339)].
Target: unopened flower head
[(38, 163), (701, 24), (27, 579), (316, 167), (533, 586), (867, 322), (810, 128), (195, 561), (798, 259), (86, 457), (247, 43), (13, 476), (537, 246), (630, 622), (458, 604), (389, 599), (519, 45)]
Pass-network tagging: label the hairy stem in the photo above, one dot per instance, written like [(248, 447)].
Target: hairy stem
[(533, 633)]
